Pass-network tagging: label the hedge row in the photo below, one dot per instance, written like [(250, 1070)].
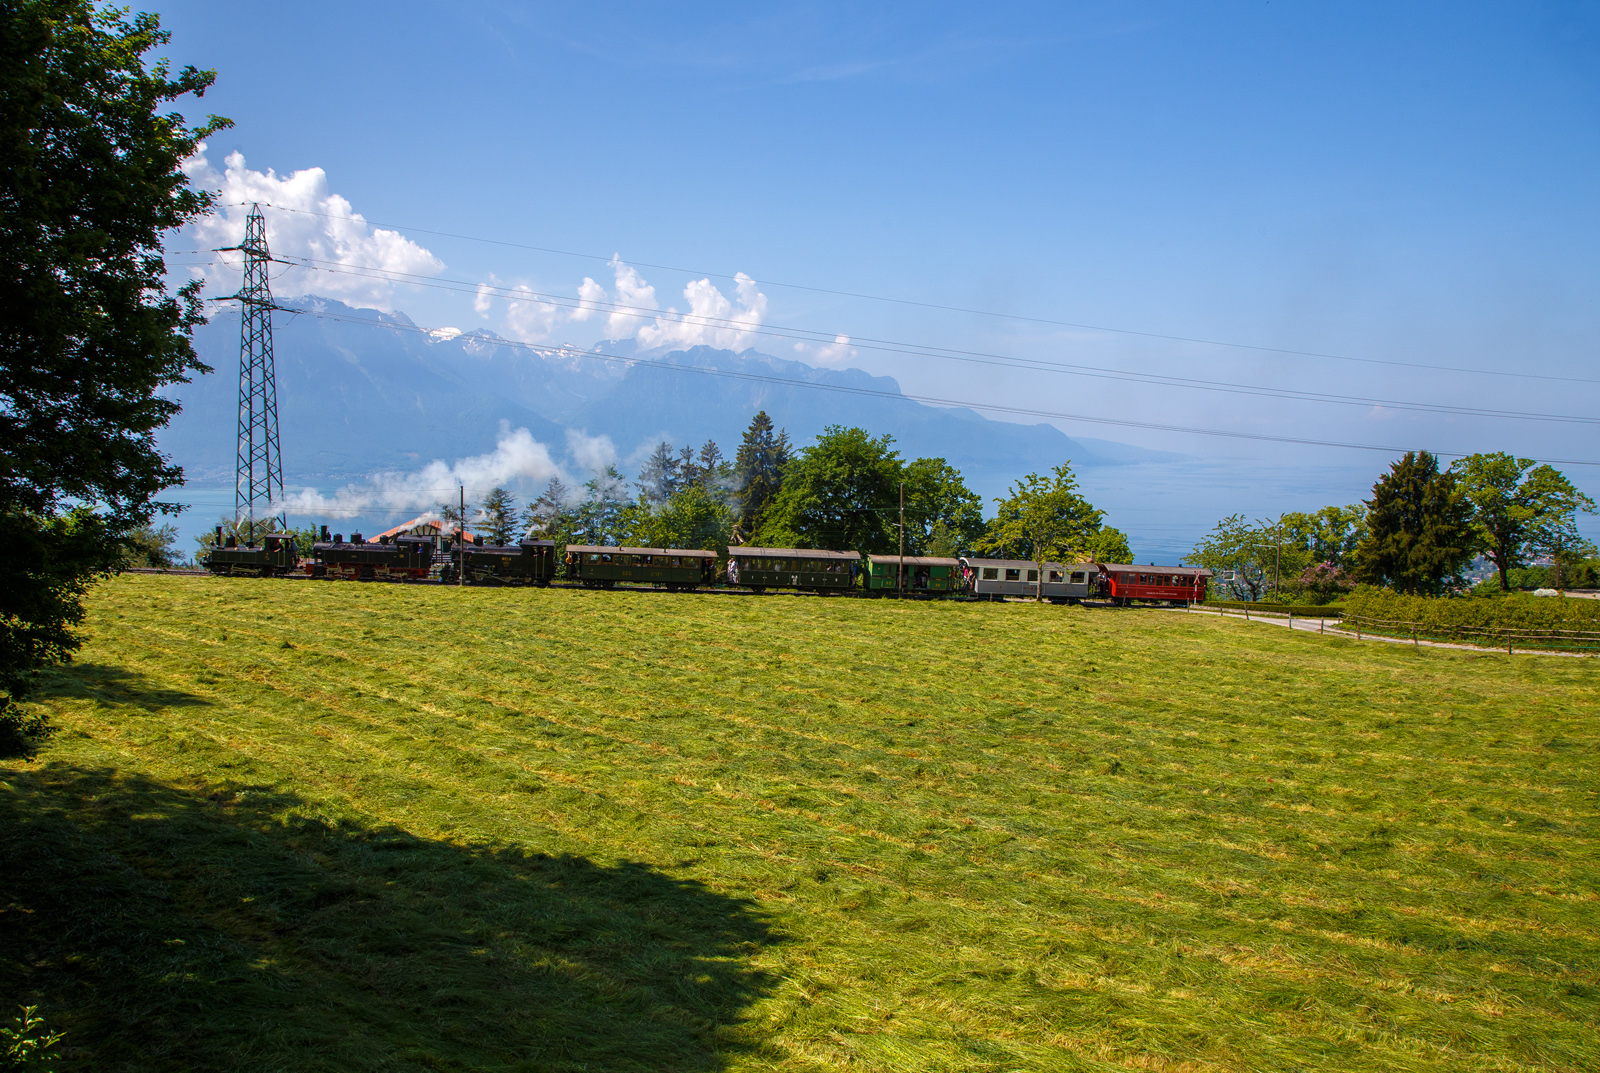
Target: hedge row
[(1303, 610), (1510, 611)]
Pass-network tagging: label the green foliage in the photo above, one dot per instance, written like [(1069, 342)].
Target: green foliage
[(941, 511), (1306, 610), (497, 514), (152, 546), (736, 834), (605, 516), (1107, 545), (1583, 574), (693, 518), (1237, 547), (758, 470), (26, 1042), (91, 182), (1520, 509), (1328, 535), (1512, 611), (1419, 529), (1044, 518), (49, 563), (1283, 556), (841, 493)]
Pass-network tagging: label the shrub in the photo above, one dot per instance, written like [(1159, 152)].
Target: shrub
[(1510, 611)]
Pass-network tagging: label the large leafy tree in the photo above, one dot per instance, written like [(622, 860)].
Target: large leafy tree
[(1521, 509), (695, 517), (1419, 528), (1328, 535), (1044, 517), (758, 469), (943, 516), (840, 493), (90, 181), (1238, 550)]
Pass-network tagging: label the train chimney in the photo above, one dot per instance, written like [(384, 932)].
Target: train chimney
[(218, 542), (324, 534)]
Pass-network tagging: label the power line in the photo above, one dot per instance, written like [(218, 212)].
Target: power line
[(925, 399), (914, 303), (523, 294)]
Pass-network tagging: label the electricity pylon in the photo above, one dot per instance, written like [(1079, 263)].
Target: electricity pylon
[(258, 474)]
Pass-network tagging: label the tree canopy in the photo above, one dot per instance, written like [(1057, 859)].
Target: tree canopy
[(943, 516), (1044, 518), (1419, 529), (92, 179), (839, 493), (1521, 509)]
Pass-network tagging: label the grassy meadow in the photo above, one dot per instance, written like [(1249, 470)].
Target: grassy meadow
[(302, 826)]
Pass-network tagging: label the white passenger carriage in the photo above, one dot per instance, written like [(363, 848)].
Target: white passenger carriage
[(998, 578)]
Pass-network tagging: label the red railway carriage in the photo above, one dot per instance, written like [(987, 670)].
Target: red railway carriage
[(1124, 583)]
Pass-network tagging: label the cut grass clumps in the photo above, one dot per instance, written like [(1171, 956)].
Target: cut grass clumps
[(563, 830)]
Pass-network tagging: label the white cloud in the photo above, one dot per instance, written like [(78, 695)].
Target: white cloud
[(632, 311), (322, 227), (483, 301), (834, 354), (517, 456), (530, 318), (712, 319), (444, 335)]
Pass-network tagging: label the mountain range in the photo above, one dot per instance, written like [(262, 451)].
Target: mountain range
[(361, 390)]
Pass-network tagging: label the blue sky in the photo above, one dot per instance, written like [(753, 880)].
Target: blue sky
[(1399, 183)]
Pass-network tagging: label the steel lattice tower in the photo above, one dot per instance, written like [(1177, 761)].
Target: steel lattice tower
[(258, 478)]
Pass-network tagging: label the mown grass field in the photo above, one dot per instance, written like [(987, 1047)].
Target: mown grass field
[(300, 826)]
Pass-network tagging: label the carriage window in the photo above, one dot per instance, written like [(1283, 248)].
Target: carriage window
[(990, 573), (1077, 577), (1013, 575), (594, 557), (1055, 575)]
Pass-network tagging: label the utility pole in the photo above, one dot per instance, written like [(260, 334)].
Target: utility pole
[(461, 539), (258, 470), (900, 579), (1277, 562)]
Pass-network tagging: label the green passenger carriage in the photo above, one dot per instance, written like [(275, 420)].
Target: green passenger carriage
[(920, 575), (812, 569), (674, 568)]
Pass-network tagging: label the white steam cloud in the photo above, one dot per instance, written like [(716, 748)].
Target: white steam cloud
[(517, 456), (323, 228)]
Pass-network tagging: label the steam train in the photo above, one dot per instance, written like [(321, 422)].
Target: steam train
[(535, 562)]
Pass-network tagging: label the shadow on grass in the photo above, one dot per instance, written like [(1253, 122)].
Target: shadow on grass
[(167, 928), (111, 686)]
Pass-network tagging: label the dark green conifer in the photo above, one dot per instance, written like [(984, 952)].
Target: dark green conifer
[(1419, 529)]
